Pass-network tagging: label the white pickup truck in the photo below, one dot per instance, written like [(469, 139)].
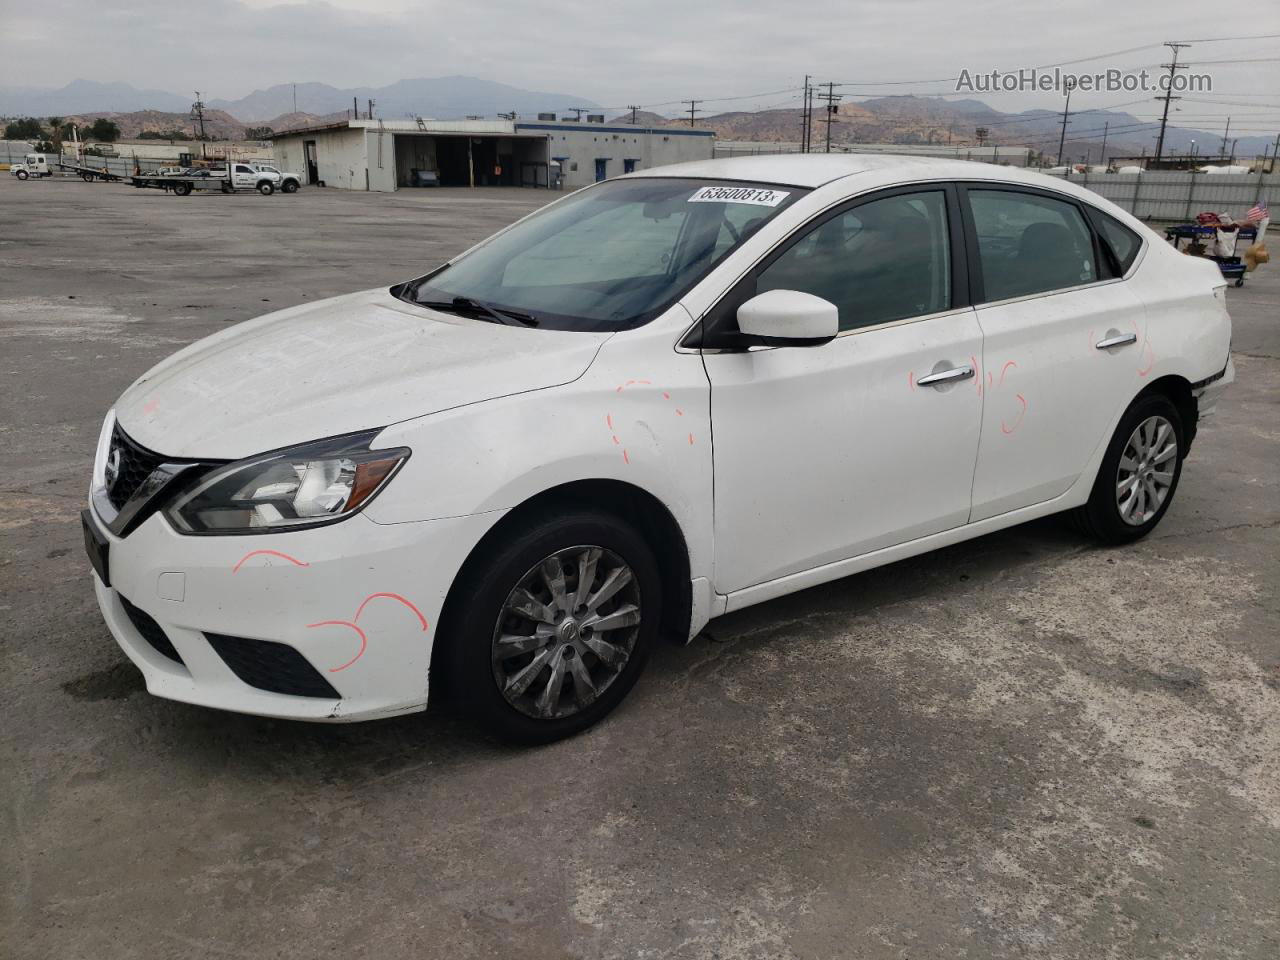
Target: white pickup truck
[(285, 181)]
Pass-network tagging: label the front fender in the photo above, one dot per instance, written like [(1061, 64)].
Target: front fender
[(640, 415)]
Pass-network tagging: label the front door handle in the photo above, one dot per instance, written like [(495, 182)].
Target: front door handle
[(943, 377), (1121, 340)]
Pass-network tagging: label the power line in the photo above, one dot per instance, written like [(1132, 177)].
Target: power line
[(1256, 36)]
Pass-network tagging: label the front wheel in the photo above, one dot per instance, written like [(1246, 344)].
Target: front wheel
[(266, 188), (21, 174), (1139, 473), (555, 626), (290, 186)]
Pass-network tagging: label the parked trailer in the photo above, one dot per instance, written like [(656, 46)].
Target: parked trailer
[(237, 175), (89, 174)]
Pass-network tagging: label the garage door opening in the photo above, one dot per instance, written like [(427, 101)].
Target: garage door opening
[(452, 161)]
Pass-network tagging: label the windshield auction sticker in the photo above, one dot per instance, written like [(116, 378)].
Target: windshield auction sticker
[(757, 195)]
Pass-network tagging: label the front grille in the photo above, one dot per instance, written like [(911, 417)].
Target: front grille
[(128, 465), (271, 666), (151, 631)]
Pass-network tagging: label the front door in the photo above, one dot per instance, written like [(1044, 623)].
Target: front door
[(825, 453), (602, 169), (1053, 385), (313, 167)]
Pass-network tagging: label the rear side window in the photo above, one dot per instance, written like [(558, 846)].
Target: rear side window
[(1028, 243), (1122, 241)]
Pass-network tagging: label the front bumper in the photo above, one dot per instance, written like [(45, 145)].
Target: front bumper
[(350, 609)]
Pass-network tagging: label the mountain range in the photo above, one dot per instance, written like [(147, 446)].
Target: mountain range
[(902, 119), (444, 98)]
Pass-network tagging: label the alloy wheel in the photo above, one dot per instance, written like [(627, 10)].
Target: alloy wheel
[(566, 632), (1146, 471)]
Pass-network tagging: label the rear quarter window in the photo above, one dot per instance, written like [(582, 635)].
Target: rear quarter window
[(1122, 241)]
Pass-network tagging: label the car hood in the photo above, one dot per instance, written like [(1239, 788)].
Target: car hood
[(334, 367)]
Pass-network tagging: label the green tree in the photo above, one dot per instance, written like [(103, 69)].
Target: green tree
[(28, 128), (104, 130)]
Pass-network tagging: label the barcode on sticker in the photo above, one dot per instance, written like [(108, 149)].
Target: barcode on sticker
[(757, 195)]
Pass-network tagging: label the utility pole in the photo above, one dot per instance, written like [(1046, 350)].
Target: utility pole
[(1173, 67), (1222, 152), (371, 103), (633, 107), (355, 108), (295, 98), (805, 117), (1066, 118), (831, 98), (197, 113), (577, 112), (1105, 127), (693, 110)]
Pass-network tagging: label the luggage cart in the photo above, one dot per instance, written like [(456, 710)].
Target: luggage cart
[(1231, 266)]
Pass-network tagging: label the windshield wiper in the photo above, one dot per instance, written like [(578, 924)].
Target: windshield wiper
[(472, 305)]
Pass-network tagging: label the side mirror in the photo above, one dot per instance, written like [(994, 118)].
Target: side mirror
[(789, 318)]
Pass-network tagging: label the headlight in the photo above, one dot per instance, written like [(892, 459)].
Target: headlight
[(304, 486)]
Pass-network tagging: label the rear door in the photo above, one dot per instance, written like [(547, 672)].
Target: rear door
[(826, 452), (1065, 343)]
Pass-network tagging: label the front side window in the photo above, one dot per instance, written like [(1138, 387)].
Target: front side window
[(1029, 243), (607, 258), (885, 260)]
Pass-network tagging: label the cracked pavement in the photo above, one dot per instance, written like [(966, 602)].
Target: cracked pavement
[(1021, 746)]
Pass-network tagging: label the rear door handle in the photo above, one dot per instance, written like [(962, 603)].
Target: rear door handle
[(943, 377), (1122, 340)]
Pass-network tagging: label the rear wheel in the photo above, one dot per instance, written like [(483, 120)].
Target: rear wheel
[(182, 189), (557, 626), (1139, 473), (87, 177)]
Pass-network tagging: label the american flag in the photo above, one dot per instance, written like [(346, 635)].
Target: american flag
[(1259, 212)]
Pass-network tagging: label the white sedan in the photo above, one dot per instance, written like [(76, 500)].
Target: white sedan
[(659, 399)]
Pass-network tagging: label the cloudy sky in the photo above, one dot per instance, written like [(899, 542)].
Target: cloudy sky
[(649, 52)]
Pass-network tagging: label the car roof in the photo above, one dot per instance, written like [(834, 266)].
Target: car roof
[(817, 169)]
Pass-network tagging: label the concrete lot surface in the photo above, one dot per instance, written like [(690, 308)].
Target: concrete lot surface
[(1022, 746)]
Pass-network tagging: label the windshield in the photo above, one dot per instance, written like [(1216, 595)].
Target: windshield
[(610, 257)]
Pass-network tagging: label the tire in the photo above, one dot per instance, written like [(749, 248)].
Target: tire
[(227, 188), (1119, 507), (266, 188), (182, 189), (87, 177), (290, 186), (485, 679), (21, 174)]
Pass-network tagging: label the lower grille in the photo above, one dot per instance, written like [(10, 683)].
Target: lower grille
[(151, 631), (271, 666)]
